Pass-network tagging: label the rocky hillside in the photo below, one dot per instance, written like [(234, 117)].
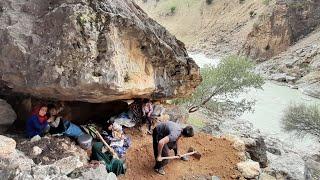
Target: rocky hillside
[(218, 28), (94, 51), (282, 25), (284, 33)]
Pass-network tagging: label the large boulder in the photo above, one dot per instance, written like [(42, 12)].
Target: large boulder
[(7, 114), (90, 50)]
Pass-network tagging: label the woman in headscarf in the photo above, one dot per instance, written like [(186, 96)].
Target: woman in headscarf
[(37, 123)]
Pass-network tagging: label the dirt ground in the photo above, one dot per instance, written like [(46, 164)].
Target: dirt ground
[(53, 149), (219, 158)]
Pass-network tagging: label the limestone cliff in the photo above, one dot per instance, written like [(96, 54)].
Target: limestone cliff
[(286, 22), (90, 50)]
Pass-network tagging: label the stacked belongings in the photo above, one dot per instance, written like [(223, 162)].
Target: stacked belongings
[(100, 151), (114, 136)]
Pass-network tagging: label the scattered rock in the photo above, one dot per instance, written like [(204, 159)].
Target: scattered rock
[(99, 173), (67, 165), (35, 138), (265, 176), (45, 172), (36, 150), (289, 165), (312, 168), (257, 151), (7, 146), (249, 169), (237, 143), (215, 178)]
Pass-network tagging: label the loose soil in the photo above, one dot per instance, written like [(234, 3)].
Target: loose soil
[(219, 158), (53, 149)]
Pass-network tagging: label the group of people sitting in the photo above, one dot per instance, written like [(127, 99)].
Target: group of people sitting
[(47, 119)]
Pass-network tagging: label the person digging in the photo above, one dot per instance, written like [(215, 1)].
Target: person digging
[(165, 137)]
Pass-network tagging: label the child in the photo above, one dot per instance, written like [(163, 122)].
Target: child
[(37, 124)]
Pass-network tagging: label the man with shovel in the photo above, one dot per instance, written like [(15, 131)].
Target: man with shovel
[(165, 137)]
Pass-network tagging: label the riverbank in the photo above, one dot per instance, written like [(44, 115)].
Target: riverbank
[(287, 153)]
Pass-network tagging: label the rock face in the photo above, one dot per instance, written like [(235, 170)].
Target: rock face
[(94, 51), (284, 24), (299, 65)]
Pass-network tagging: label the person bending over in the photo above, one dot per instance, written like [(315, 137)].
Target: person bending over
[(165, 137)]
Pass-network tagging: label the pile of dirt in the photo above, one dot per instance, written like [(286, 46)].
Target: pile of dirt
[(53, 149), (219, 158)]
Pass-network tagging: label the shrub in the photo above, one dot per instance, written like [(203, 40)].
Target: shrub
[(302, 119), (241, 1), (209, 2), (173, 9), (266, 2)]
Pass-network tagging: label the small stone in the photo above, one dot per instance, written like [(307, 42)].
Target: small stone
[(45, 158), (215, 178), (36, 151), (265, 176), (249, 169), (35, 138)]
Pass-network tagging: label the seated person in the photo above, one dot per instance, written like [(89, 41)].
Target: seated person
[(114, 135), (147, 110), (37, 124), (98, 153), (58, 125)]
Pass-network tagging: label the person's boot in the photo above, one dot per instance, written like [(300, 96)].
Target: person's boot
[(160, 171)]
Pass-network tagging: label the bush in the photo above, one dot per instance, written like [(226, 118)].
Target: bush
[(266, 2), (241, 1), (173, 9), (222, 84), (209, 2), (302, 120)]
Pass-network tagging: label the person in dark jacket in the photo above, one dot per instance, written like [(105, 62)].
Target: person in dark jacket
[(37, 123), (165, 137), (58, 125)]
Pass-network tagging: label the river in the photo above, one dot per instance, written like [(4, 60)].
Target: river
[(271, 102)]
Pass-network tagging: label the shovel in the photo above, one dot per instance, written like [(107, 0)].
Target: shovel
[(114, 154), (191, 152)]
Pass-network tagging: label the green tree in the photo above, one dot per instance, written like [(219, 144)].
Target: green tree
[(221, 86), (302, 119)]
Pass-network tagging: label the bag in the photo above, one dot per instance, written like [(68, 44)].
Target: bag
[(90, 129)]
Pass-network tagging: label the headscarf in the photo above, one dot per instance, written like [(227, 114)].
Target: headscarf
[(35, 112)]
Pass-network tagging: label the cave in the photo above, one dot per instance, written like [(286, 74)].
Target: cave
[(75, 111)]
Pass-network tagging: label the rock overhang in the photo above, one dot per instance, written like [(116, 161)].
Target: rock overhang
[(92, 51)]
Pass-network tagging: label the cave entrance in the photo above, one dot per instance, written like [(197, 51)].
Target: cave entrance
[(74, 111)]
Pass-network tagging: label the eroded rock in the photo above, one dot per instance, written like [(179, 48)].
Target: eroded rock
[(93, 51)]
